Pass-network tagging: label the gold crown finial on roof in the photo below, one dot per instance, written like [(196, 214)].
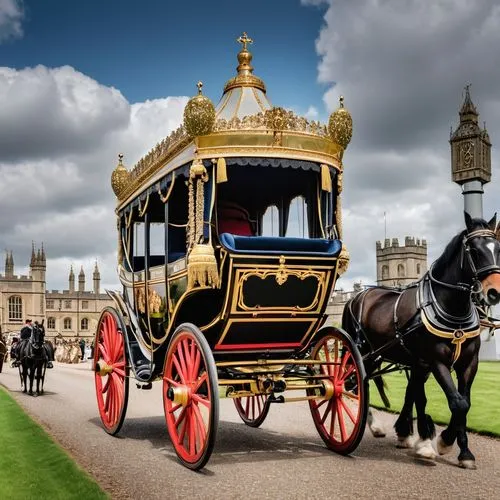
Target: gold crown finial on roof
[(200, 86), (244, 39), (120, 159)]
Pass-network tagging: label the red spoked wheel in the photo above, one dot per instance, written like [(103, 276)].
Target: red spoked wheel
[(253, 410), (191, 396), (340, 418), (111, 371)]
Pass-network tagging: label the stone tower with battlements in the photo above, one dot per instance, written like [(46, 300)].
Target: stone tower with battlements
[(401, 265)]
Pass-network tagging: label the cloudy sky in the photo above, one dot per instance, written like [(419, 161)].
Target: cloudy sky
[(82, 81)]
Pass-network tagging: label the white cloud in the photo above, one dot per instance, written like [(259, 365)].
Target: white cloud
[(402, 67), (311, 113), (11, 17), (60, 134)]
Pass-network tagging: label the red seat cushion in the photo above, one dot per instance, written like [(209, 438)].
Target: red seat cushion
[(234, 220)]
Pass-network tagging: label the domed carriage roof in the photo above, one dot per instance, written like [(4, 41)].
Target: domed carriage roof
[(243, 124)]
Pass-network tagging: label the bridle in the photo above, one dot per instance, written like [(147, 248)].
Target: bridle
[(489, 269), (475, 287)]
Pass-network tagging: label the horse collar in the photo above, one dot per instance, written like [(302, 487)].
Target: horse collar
[(442, 324)]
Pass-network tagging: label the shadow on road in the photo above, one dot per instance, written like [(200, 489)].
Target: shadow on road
[(238, 443)]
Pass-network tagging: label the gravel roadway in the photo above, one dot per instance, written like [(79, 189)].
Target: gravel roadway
[(284, 458)]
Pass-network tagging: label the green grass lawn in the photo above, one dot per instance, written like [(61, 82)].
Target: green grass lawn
[(485, 398), (32, 466)]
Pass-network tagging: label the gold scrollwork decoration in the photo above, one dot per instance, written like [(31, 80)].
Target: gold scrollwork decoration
[(142, 209), (280, 274), (165, 198)]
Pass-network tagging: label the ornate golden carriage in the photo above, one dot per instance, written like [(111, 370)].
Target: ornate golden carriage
[(229, 248)]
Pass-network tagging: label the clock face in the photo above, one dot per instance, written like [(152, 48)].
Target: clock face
[(467, 150)]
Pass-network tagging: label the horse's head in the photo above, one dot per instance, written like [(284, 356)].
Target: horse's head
[(482, 247), (37, 335)]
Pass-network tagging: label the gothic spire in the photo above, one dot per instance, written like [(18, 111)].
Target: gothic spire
[(468, 112), (33, 256)]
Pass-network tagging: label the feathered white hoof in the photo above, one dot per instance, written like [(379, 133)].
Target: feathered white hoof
[(375, 425), (406, 442), (424, 449), (467, 464), (377, 430), (442, 447)]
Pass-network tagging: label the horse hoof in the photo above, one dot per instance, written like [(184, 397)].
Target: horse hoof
[(424, 449), (467, 464), (405, 442), (442, 447)]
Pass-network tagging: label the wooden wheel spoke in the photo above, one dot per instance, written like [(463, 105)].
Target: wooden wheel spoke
[(183, 371), (174, 408), (179, 369), (201, 380), (172, 382), (348, 410), (181, 417), (196, 365), (104, 354), (119, 371), (203, 401), (327, 411), (334, 413), (340, 414), (350, 395), (201, 423), (105, 387), (192, 432)]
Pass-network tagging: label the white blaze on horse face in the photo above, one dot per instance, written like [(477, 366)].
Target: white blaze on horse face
[(491, 247)]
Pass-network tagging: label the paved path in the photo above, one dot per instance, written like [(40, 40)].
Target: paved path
[(284, 459)]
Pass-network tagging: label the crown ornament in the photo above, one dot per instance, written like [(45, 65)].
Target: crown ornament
[(199, 114), (340, 125)]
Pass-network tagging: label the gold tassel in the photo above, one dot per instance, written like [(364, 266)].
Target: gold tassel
[(326, 180), (202, 267), (221, 171)]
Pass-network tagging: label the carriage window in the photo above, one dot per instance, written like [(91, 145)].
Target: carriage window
[(401, 271), (15, 308), (385, 272), (139, 239), (67, 323), (157, 243), (270, 222), (51, 323), (297, 220), (84, 324)]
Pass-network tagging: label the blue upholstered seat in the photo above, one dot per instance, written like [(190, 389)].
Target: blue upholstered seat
[(284, 246)]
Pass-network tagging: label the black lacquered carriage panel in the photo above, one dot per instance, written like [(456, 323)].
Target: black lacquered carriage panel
[(297, 292)]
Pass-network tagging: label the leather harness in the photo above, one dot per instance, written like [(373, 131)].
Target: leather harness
[(430, 314)]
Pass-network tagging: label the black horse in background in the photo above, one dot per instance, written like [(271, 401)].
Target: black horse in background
[(32, 358), (433, 327)]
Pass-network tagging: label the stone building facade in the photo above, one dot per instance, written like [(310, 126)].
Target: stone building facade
[(75, 312), (400, 265), (68, 313), (22, 296)]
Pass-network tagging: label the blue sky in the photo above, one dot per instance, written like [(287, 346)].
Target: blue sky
[(81, 82), (153, 49)]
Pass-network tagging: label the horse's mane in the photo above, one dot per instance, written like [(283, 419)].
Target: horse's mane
[(455, 244)]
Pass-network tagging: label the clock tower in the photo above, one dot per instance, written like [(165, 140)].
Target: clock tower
[(470, 157)]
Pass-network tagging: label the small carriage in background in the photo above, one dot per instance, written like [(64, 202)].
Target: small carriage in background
[(229, 246)]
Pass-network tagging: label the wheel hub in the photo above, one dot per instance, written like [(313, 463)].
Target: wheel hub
[(328, 388), (179, 395), (103, 369)]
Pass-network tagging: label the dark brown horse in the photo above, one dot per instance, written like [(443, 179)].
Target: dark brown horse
[(32, 357), (433, 327)]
